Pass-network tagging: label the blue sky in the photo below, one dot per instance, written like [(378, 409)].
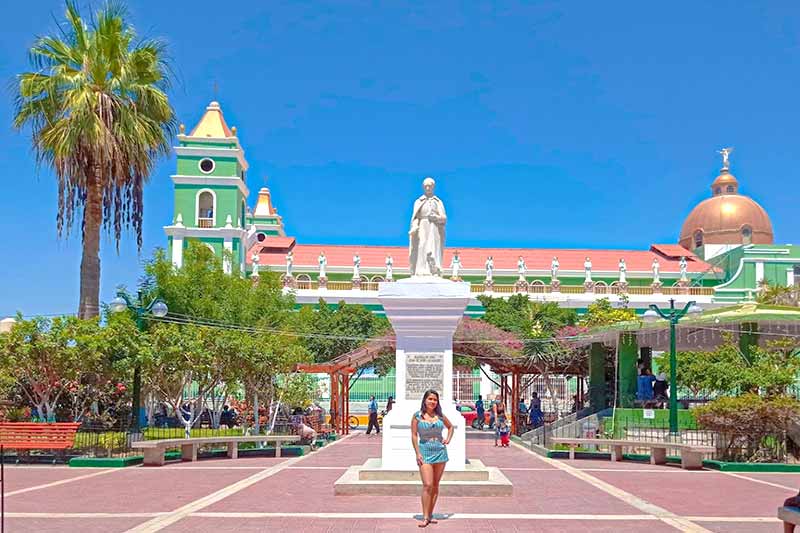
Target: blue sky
[(571, 124)]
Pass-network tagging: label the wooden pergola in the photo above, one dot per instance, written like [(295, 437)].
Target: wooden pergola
[(500, 350)]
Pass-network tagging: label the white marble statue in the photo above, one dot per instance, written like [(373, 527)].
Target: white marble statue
[(656, 266), (323, 264), (554, 268), (623, 270), (426, 236), (587, 267), (684, 267), (289, 263), (255, 259), (455, 265), (726, 153), (389, 267), (489, 268), (356, 267), (521, 268)]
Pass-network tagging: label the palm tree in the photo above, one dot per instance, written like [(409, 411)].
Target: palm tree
[(96, 104)]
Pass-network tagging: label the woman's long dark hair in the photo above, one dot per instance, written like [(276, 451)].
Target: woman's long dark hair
[(424, 409)]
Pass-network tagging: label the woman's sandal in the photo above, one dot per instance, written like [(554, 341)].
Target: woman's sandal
[(425, 522)]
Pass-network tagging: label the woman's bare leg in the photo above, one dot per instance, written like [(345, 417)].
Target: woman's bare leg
[(426, 473), (438, 471)]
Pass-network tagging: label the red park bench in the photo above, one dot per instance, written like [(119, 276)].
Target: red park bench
[(38, 436)]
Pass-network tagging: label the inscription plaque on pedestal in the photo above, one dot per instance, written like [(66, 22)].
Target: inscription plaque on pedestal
[(424, 370)]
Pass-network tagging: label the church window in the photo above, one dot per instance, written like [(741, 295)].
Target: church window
[(747, 235), (260, 237), (718, 190), (206, 204), (206, 165), (730, 188), (698, 238)]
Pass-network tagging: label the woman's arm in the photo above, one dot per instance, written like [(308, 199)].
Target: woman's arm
[(450, 430), (414, 439)]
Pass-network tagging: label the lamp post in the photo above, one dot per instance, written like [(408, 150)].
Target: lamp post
[(158, 308), (673, 315)]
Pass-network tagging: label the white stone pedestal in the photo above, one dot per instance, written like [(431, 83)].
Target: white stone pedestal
[(424, 313)]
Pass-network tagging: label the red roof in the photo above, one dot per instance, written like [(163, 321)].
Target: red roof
[(280, 243), (475, 258)]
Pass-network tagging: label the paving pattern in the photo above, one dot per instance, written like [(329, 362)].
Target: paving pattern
[(296, 495)]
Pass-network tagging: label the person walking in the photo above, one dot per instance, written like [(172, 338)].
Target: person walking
[(431, 450), (389, 403), (480, 410), (499, 410), (373, 416)]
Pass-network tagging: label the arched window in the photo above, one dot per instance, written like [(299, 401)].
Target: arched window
[(260, 237), (377, 279), (206, 208), (303, 281), (601, 287), (747, 235), (717, 191), (537, 286), (698, 238)]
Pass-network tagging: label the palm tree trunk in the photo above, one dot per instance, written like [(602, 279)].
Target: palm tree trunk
[(89, 305)]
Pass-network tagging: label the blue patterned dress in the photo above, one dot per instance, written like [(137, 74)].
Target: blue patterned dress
[(431, 446)]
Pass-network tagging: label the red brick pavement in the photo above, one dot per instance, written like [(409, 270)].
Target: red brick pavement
[(542, 488)]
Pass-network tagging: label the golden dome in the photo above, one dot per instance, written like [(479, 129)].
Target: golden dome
[(726, 218)]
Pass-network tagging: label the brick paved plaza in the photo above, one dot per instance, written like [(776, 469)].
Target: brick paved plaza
[(296, 494)]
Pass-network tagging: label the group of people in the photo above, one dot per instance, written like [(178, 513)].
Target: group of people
[(652, 391)]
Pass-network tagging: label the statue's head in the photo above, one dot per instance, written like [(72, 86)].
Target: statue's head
[(428, 185)]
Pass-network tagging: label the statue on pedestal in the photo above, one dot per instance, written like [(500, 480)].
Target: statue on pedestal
[(684, 267), (289, 263), (356, 267), (554, 264), (656, 266), (521, 268), (455, 266), (255, 259), (623, 269), (489, 269), (426, 235), (323, 263), (389, 265), (587, 268)]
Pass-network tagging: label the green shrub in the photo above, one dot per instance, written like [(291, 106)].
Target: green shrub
[(751, 428)]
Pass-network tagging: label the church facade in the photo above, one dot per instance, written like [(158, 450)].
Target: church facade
[(724, 251)]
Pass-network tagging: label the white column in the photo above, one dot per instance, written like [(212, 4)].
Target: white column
[(424, 313), (177, 251), (487, 387), (226, 262), (789, 277), (759, 272)]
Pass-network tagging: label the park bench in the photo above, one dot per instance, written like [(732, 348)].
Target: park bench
[(38, 436), (691, 454), (789, 515), (154, 450)]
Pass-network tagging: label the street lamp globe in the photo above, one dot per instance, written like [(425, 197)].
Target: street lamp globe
[(118, 305), (160, 308), (650, 316), (695, 309)]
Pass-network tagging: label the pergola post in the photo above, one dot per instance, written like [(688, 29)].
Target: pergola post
[(514, 401), (346, 397)]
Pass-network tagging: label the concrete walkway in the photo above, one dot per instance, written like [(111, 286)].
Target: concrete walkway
[(296, 494)]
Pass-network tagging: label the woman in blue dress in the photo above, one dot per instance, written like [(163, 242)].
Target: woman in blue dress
[(426, 436)]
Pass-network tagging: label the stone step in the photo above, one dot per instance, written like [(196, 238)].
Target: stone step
[(371, 471), (405, 483)]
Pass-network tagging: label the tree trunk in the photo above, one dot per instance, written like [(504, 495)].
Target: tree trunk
[(89, 305)]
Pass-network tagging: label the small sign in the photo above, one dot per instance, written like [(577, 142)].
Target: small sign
[(648, 414)]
